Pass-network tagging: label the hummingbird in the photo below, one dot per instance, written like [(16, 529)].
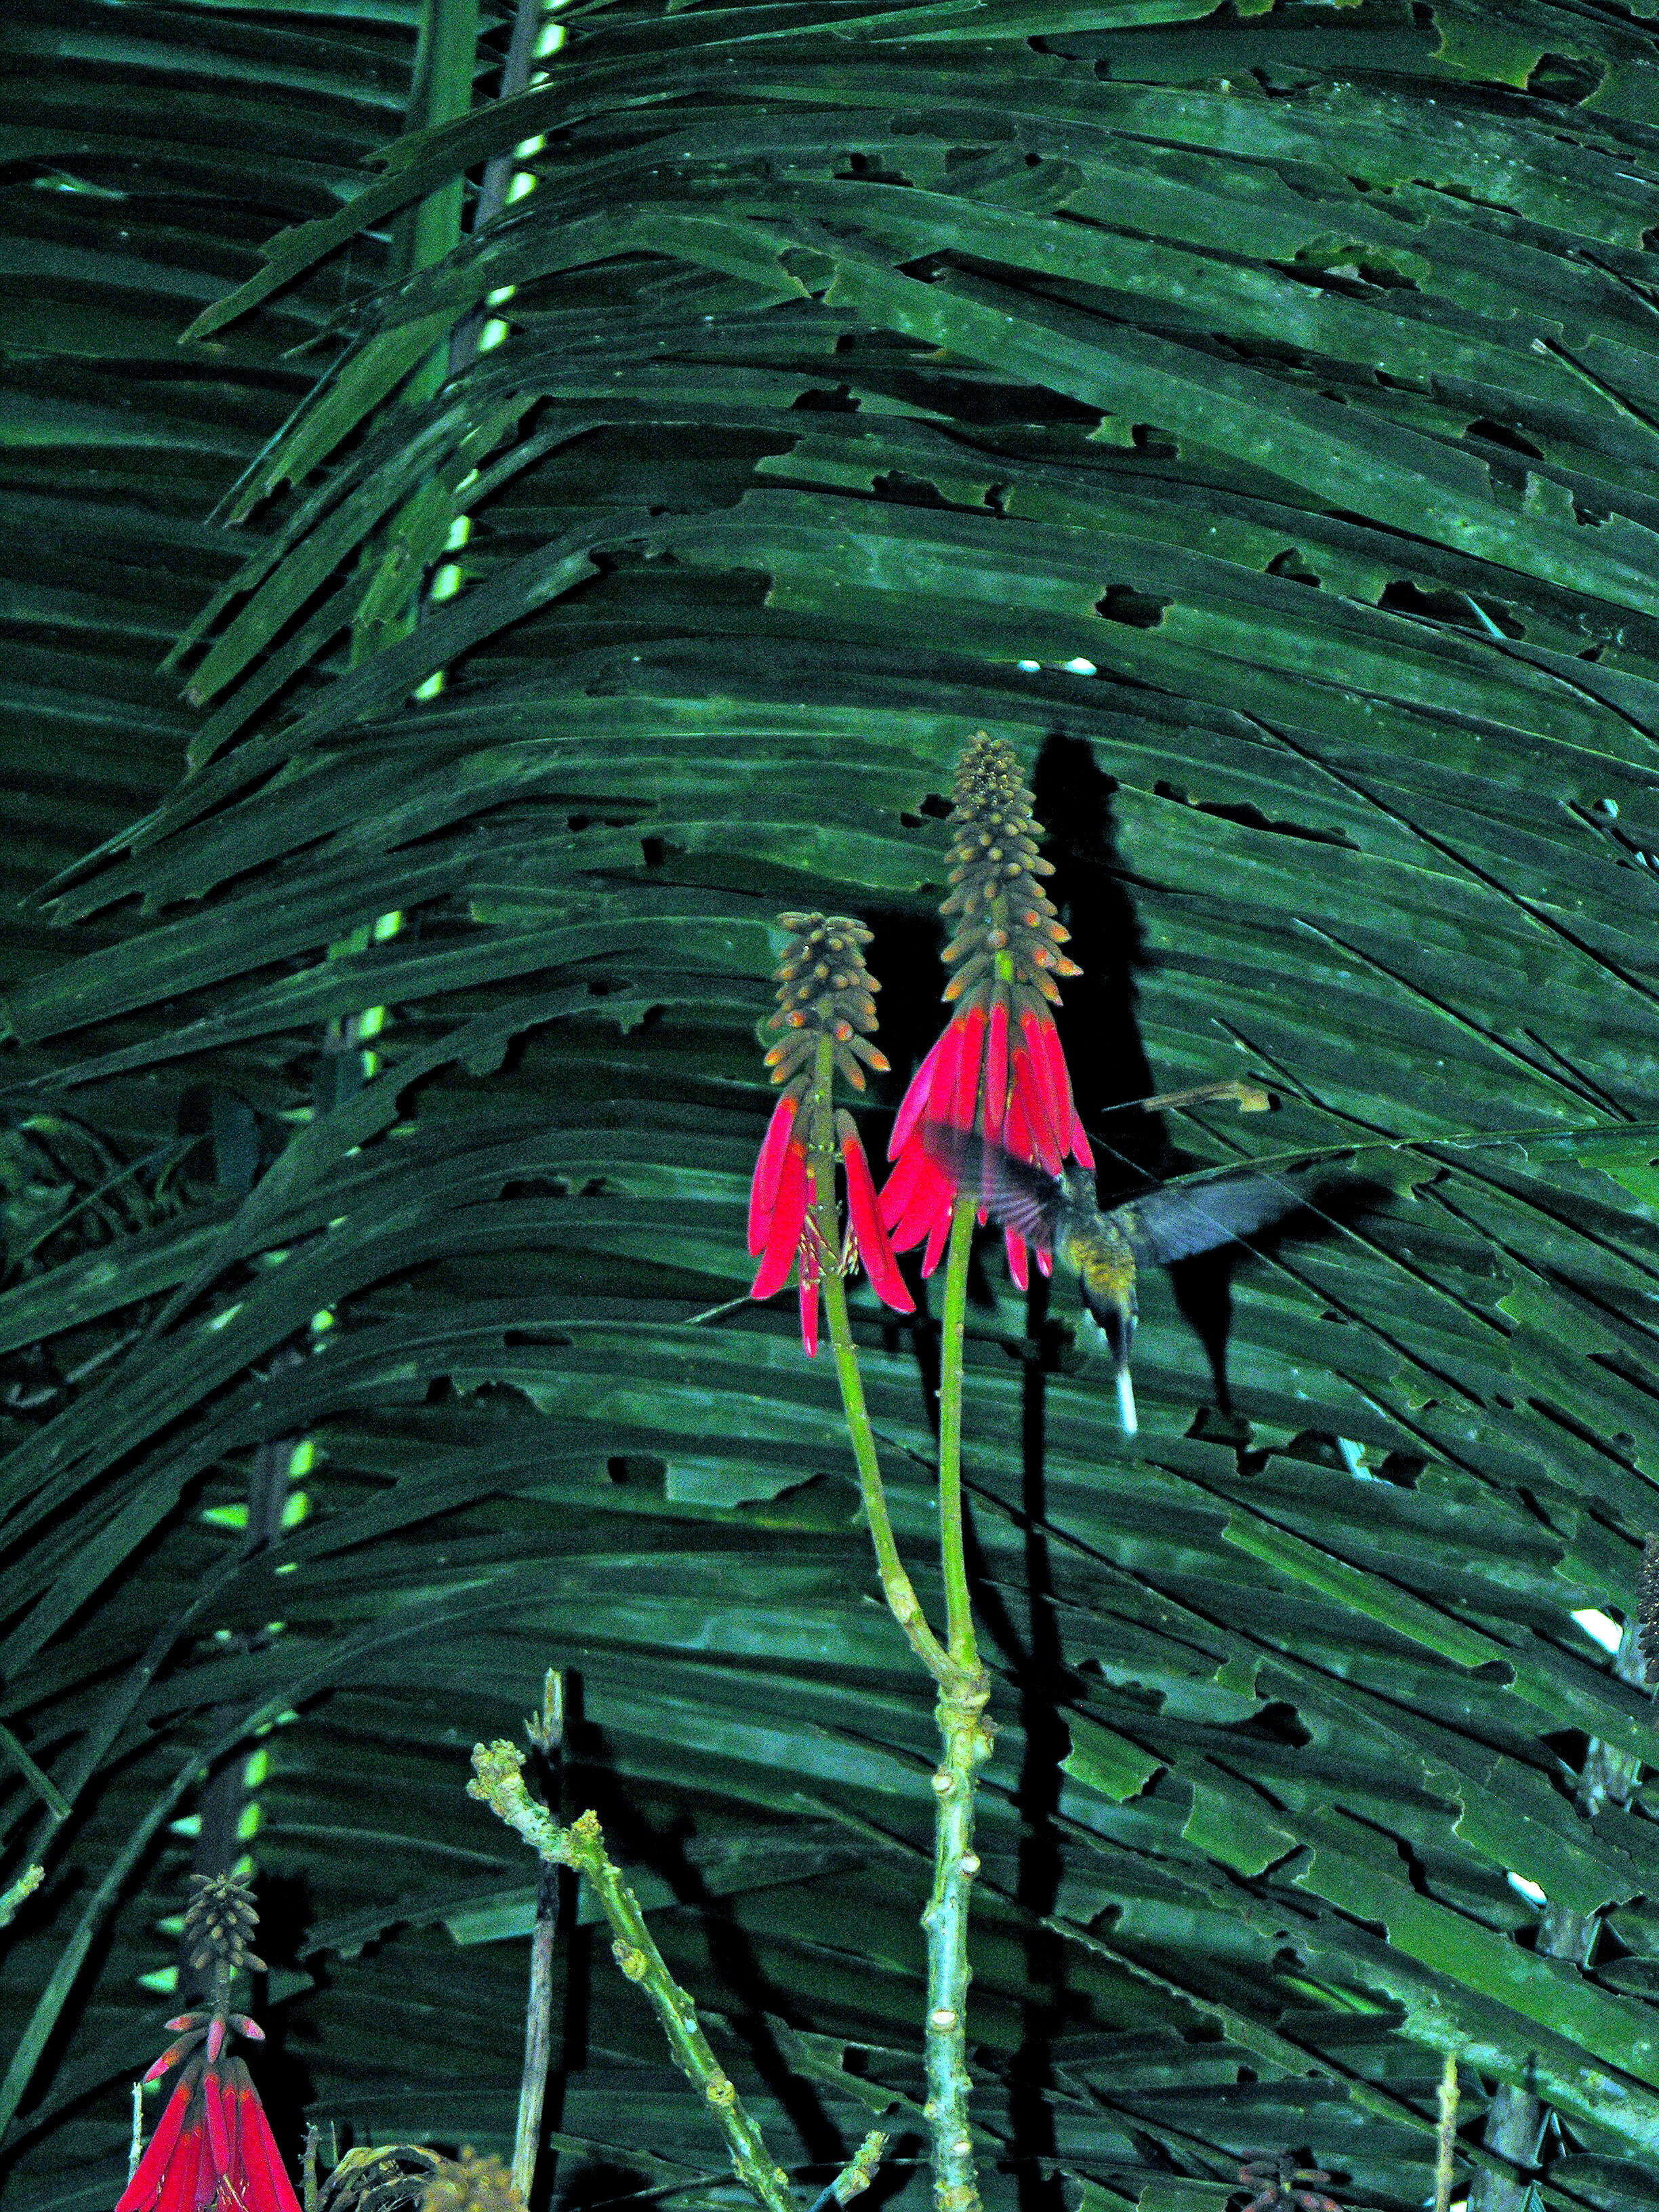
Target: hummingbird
[(1060, 1214)]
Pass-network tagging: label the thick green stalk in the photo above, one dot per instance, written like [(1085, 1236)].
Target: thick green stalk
[(966, 1746), (964, 1689), (499, 1769), (952, 1556)]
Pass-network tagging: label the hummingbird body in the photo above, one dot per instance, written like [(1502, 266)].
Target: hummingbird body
[(1061, 1217), (1095, 1246)]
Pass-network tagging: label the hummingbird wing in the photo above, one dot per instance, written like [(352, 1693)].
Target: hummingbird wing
[(1175, 1222), (1022, 1198)]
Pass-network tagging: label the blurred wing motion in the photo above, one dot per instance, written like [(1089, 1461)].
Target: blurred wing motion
[(1178, 1220), (1024, 1199)]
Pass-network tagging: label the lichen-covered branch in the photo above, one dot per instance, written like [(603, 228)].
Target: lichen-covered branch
[(499, 1782), (1445, 2147), (855, 2176), (25, 1886)]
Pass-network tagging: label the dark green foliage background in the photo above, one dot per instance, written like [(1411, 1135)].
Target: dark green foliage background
[(1294, 368)]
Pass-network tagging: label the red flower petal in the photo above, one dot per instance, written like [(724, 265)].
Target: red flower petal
[(218, 2133), (931, 1196), (1017, 1268), (1081, 1148), (937, 1240), (143, 2187), (763, 1189), (1017, 1129), (914, 1099), (1037, 1028), (183, 2173), (230, 2109), (960, 1111), (171, 2056), (874, 1249), (946, 1057), (895, 1192), (1059, 1077), (268, 2188), (1029, 1093), (994, 1102), (788, 1219)]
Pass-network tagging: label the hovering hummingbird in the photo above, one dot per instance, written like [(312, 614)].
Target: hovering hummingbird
[(1104, 1250)]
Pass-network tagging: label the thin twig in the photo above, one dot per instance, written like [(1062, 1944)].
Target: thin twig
[(546, 1732), (854, 2177), (499, 1782)]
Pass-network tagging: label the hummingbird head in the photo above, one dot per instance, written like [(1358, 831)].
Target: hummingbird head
[(1079, 1184)]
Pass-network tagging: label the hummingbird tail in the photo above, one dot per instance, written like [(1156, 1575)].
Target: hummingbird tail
[(1126, 1403)]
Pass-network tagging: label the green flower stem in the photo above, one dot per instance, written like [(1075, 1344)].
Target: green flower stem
[(966, 1746), (896, 1586), (952, 1558), (499, 1782), (824, 1225)]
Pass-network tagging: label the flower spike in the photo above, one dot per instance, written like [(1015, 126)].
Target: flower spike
[(213, 2145), (826, 1012), (999, 1067)]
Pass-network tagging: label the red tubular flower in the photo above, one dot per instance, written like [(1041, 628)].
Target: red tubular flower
[(869, 1237), (826, 1009), (778, 1200), (999, 1065), (212, 2147), (212, 2150)]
